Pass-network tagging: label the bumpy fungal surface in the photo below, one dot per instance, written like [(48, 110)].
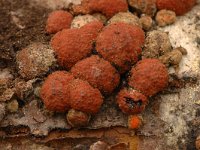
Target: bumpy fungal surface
[(82, 20), (146, 22), (77, 118), (149, 76), (131, 101), (120, 44), (125, 17), (70, 46), (180, 7), (165, 17), (107, 7), (157, 43), (91, 30), (55, 91), (35, 60), (73, 45), (98, 72), (82, 8), (58, 20), (84, 97)]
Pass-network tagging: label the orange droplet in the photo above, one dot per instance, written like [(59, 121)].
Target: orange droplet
[(134, 122)]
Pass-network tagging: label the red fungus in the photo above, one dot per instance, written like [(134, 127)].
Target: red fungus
[(98, 72), (120, 44), (92, 29), (131, 101), (82, 8), (84, 97), (73, 45), (108, 7), (149, 76), (134, 122), (55, 91), (180, 7), (58, 20)]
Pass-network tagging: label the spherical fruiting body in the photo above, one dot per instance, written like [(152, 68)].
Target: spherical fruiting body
[(149, 76), (98, 72), (165, 17), (134, 122), (55, 92), (35, 60), (91, 30), (82, 20), (58, 20), (108, 8), (131, 101), (77, 118), (180, 7), (146, 22), (125, 17), (82, 8), (157, 43), (73, 45), (120, 44), (84, 97)]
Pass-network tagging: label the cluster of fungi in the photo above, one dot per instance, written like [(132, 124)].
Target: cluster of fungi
[(96, 55)]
